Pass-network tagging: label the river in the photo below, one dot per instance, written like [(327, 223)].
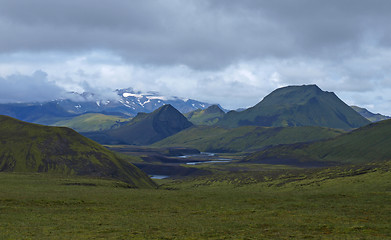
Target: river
[(194, 159)]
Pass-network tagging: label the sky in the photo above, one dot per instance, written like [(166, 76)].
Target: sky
[(229, 52)]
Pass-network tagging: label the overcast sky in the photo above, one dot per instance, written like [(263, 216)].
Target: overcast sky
[(228, 52)]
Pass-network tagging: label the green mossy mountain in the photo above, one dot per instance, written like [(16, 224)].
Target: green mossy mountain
[(366, 144), (145, 128), (246, 138), (90, 122), (208, 116), (27, 147), (369, 115), (305, 105)]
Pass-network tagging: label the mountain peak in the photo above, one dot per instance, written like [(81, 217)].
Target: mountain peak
[(166, 107), (294, 94), (208, 116), (304, 86), (213, 109), (146, 128), (305, 105)]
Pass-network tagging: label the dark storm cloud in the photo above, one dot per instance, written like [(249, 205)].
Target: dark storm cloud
[(200, 34), (22, 88)]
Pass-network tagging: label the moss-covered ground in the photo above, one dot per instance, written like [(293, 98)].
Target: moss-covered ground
[(90, 122), (352, 202)]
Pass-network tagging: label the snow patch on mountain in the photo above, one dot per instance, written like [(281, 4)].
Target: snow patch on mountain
[(126, 94)]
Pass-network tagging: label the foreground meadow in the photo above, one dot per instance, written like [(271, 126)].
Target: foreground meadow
[(354, 204)]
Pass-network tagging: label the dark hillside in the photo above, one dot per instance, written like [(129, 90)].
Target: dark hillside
[(27, 147), (367, 144), (145, 128)]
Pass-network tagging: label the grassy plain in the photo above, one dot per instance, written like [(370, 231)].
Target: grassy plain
[(335, 203)]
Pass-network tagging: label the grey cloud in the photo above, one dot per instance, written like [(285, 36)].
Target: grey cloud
[(341, 45), (200, 34), (24, 88)]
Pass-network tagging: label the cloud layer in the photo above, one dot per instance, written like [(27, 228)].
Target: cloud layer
[(36, 88), (231, 52)]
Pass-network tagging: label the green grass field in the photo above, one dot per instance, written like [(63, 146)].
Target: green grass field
[(336, 203), (91, 122)]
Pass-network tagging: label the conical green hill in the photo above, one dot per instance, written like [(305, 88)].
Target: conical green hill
[(305, 105), (145, 128)]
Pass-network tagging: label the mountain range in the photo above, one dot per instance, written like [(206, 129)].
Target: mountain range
[(298, 124), (106, 114), (292, 106), (319, 113), (126, 104)]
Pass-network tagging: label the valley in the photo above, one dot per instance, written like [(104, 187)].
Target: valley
[(193, 120), (174, 163), (299, 164)]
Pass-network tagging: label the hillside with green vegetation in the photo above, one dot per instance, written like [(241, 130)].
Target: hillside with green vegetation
[(208, 116), (369, 115), (333, 203), (91, 122), (145, 128), (246, 138), (27, 147), (366, 144), (305, 105)]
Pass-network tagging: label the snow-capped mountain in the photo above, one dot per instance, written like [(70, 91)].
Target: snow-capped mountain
[(151, 101), (128, 102)]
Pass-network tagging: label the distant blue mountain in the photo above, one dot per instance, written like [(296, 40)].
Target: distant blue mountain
[(369, 115), (128, 103)]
